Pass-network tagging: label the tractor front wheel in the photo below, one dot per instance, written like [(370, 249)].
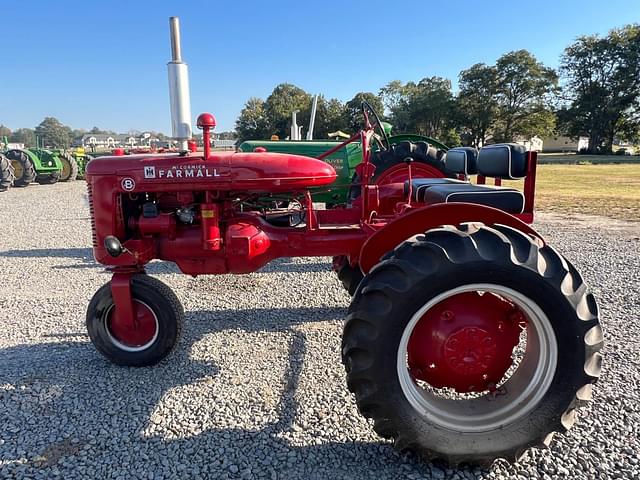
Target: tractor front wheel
[(472, 343), (155, 331)]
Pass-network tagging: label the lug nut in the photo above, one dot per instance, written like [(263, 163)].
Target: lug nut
[(447, 315)]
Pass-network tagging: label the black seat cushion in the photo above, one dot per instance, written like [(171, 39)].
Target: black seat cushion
[(462, 160), (507, 199), (420, 185), (503, 160)]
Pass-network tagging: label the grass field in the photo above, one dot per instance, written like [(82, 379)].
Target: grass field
[(608, 190), (560, 158)]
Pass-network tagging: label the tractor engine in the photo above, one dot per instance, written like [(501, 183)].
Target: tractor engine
[(211, 214)]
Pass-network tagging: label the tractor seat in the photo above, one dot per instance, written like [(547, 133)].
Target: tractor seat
[(460, 161), (504, 198), (420, 185), (507, 161)]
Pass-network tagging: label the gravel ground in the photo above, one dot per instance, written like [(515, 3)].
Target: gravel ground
[(255, 388)]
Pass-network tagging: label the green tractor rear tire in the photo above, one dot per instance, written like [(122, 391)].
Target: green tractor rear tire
[(6, 173), (428, 162), (69, 168), (24, 170)]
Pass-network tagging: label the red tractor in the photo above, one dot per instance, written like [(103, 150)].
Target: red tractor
[(468, 337)]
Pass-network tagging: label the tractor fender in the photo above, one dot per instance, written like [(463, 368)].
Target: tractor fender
[(422, 219)]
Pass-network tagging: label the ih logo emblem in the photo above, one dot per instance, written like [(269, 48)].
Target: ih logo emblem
[(149, 172)]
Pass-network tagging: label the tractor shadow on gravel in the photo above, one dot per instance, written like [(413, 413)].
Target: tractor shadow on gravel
[(78, 410), (85, 255)]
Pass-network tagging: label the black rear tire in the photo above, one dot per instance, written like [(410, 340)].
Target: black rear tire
[(69, 168), (444, 259), (23, 167), (6, 173), (349, 276), (165, 306)]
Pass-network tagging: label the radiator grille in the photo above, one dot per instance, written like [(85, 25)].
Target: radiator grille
[(92, 215)]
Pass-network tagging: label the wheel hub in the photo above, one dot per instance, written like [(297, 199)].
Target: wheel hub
[(17, 169), (142, 332), (66, 170), (465, 342)]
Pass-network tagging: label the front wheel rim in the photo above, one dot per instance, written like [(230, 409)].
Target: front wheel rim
[(525, 388), (128, 339)]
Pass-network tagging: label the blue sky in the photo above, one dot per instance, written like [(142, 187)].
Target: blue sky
[(104, 63)]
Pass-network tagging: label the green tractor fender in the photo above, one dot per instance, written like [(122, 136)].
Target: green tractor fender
[(44, 161)]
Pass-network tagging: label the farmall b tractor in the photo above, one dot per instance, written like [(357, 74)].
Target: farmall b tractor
[(468, 338)]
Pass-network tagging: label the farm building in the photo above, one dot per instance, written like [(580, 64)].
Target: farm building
[(564, 144)]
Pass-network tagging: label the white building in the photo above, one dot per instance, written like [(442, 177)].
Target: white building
[(565, 144), (533, 144)]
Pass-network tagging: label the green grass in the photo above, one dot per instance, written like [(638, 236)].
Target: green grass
[(571, 158), (608, 190)]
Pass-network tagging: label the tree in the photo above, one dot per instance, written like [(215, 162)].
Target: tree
[(252, 123), (426, 107), (353, 119), (477, 103), (524, 88), (396, 98), (24, 135), (602, 87), (283, 101), (53, 133), (431, 107), (4, 132)]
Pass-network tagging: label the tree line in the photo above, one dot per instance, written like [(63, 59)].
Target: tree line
[(54, 134), (594, 93)]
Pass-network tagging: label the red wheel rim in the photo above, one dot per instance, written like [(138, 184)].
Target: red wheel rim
[(138, 336), (519, 392), (465, 342), (399, 173)]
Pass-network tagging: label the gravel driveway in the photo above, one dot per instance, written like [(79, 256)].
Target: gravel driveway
[(255, 389)]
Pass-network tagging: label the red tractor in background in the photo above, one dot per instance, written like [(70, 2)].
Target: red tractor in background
[(468, 337)]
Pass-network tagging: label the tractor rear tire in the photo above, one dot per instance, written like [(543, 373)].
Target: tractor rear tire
[(24, 169), (348, 275), (401, 290), (419, 152), (48, 178), (151, 297), (69, 168), (6, 173)]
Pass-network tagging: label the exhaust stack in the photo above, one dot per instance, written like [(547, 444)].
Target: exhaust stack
[(179, 89)]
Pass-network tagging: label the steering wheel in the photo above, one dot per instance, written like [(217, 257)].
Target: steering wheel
[(368, 109)]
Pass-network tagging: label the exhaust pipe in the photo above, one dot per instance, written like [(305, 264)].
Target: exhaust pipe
[(179, 89)]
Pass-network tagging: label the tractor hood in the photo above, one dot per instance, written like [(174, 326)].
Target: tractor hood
[(252, 171)]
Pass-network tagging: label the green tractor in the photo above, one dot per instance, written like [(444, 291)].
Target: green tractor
[(40, 165), (389, 158), (82, 158)]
